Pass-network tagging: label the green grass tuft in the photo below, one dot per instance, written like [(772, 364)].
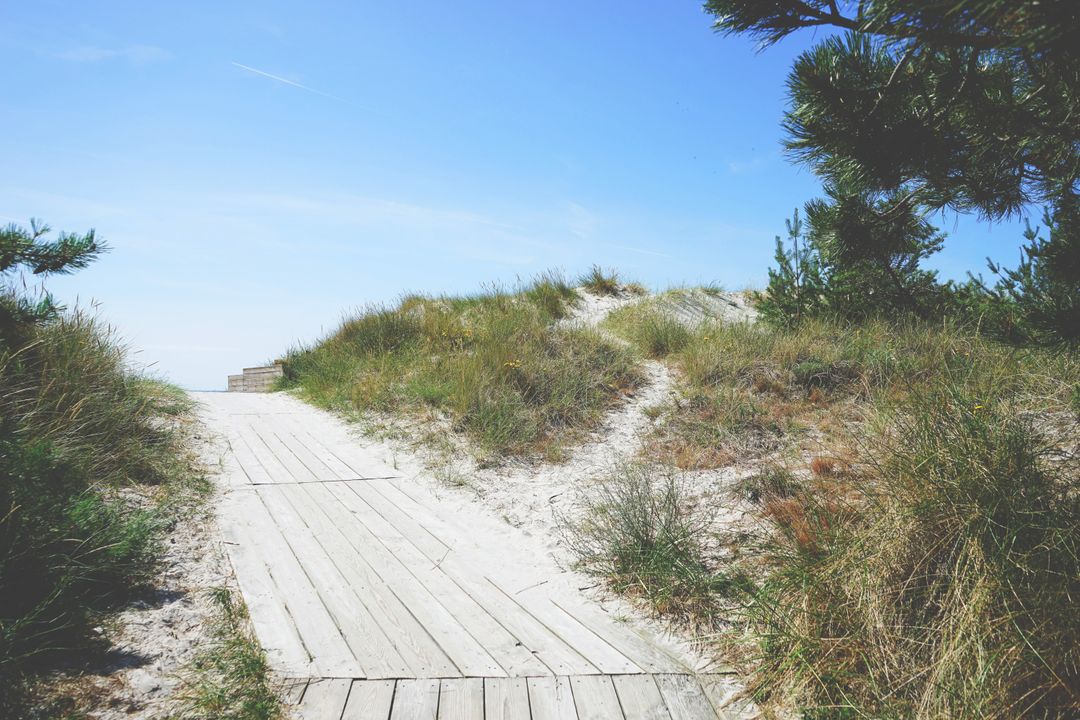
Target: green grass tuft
[(638, 532), (601, 282)]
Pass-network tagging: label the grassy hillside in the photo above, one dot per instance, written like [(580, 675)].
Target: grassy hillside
[(498, 364), (93, 468), (917, 496)]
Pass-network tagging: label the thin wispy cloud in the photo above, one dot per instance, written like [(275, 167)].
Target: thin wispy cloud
[(286, 81), (135, 54)]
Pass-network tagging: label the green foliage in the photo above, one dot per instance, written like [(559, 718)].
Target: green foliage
[(1042, 295), (27, 250), (76, 428), (922, 106), (856, 261), (499, 365), (796, 286)]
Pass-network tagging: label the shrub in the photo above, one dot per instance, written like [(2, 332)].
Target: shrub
[(75, 429), (949, 589), (639, 531)]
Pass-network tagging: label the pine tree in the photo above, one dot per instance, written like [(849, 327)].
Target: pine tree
[(25, 250), (917, 106), (796, 284)]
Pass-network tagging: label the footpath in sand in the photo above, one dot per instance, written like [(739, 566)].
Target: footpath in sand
[(381, 599)]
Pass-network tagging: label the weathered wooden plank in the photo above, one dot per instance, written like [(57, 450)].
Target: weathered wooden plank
[(608, 646), (330, 654), (626, 639), (324, 699), (337, 442), (506, 699), (595, 698), (549, 648), (502, 646), (684, 697), (727, 697), (344, 536), (251, 466), (468, 655), (298, 472), (318, 449), (274, 627), (599, 653), (640, 698), (551, 698), (293, 691), (461, 699), (415, 700), (364, 635), (273, 424), (369, 700), (276, 471)]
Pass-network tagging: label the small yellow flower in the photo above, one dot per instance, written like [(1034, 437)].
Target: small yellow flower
[(977, 408)]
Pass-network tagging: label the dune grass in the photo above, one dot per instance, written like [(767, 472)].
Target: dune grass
[(941, 580), (601, 282), (637, 532), (93, 468), (498, 364), (920, 510)]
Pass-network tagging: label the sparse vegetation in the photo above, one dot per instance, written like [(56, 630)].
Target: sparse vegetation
[(229, 678), (637, 532), (498, 364)]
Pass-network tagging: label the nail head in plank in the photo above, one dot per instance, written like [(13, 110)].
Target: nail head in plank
[(369, 700), (324, 699), (506, 699), (595, 698), (551, 698), (415, 700), (461, 699)]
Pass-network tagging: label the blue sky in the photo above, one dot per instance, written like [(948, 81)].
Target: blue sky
[(261, 168)]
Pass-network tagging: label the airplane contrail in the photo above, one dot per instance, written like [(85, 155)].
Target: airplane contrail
[(294, 84)]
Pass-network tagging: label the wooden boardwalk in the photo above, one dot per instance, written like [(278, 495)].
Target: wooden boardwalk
[(379, 599)]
